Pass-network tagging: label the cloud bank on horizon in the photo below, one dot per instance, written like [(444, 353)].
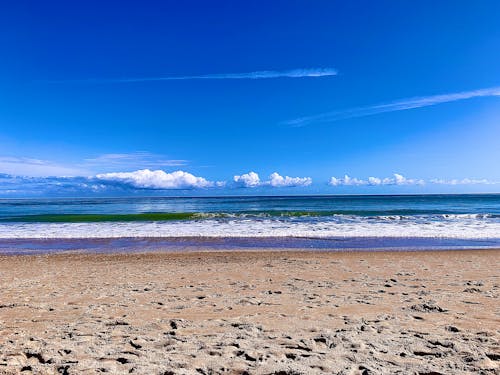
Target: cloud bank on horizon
[(398, 105), (159, 180), (259, 74)]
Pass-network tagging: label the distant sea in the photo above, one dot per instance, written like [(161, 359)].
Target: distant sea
[(310, 222)]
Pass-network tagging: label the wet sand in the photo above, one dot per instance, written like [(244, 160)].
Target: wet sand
[(258, 312)]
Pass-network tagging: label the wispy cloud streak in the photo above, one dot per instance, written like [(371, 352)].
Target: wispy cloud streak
[(399, 105), (27, 166), (261, 74), (142, 159)]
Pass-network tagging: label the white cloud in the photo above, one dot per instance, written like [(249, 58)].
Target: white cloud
[(399, 105), (252, 179), (374, 181), (464, 181), (401, 180), (276, 180), (261, 74), (347, 181), (397, 179), (158, 179)]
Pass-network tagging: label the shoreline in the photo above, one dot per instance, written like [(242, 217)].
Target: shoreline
[(18, 246), (256, 312), (197, 251)]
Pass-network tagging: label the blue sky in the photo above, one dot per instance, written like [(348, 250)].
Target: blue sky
[(216, 90)]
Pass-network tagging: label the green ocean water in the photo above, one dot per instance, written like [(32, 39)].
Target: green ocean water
[(460, 217)]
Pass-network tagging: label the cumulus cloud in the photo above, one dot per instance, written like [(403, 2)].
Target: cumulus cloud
[(252, 179), (159, 179), (347, 181), (276, 180), (374, 181), (260, 74), (397, 179), (464, 181), (398, 105), (401, 180)]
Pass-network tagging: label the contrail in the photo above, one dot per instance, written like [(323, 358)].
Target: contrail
[(261, 74), (399, 105)]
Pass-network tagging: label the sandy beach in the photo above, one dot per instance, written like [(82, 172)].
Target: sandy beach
[(259, 312)]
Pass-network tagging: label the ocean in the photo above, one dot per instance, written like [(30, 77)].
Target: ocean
[(358, 222)]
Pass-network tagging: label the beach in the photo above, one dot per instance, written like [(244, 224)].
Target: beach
[(251, 312), (250, 188)]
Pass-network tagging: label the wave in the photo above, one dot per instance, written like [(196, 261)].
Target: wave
[(387, 215), (95, 218), (470, 216), (466, 229)]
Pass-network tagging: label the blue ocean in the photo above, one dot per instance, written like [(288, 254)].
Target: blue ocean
[(358, 222)]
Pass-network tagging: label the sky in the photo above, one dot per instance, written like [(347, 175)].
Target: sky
[(261, 97)]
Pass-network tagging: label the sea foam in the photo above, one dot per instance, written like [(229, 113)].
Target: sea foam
[(462, 227)]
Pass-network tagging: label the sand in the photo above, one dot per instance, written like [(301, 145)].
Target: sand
[(251, 313)]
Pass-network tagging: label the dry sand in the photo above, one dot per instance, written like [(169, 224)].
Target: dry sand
[(251, 313)]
